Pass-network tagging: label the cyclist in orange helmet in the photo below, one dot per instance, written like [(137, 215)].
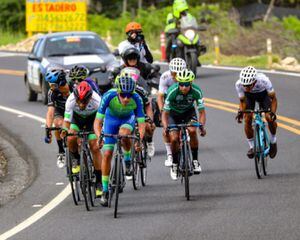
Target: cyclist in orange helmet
[(135, 38)]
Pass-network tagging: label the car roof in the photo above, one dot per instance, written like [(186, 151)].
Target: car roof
[(58, 34)]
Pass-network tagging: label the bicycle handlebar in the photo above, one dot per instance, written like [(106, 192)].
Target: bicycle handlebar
[(184, 125), (255, 111), (118, 136)]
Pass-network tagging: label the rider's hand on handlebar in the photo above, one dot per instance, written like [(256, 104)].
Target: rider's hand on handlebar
[(48, 136), (239, 116), (273, 116), (138, 146), (63, 133)]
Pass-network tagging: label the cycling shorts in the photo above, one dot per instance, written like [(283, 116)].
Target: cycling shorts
[(112, 125), (186, 117), (262, 98), (79, 123)]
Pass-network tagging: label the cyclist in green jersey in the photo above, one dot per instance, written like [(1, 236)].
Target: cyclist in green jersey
[(179, 108)]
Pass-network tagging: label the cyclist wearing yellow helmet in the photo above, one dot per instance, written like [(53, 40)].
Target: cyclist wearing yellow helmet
[(179, 108)]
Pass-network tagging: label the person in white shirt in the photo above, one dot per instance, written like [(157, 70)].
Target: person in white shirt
[(135, 38), (255, 87), (167, 79)]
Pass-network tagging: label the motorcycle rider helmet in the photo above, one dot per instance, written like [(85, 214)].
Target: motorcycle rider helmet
[(83, 92), (179, 6), (177, 64), (125, 83), (185, 75), (79, 73), (248, 75), (130, 54), (56, 76)]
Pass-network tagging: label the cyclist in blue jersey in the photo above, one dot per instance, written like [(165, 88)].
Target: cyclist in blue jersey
[(80, 73), (120, 108)]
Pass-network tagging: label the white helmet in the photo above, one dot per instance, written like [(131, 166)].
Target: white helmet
[(177, 65), (248, 75)]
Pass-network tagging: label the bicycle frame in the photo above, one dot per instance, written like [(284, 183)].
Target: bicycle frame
[(263, 135)]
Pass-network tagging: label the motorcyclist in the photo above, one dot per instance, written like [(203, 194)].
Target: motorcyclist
[(135, 38), (180, 10)]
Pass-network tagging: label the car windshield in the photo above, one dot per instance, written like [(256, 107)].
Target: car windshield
[(74, 45), (188, 22)]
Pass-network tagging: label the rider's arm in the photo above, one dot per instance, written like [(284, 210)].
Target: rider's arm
[(70, 104), (148, 54), (165, 119), (242, 104), (160, 101), (273, 98), (50, 116), (149, 111), (140, 115), (98, 123)]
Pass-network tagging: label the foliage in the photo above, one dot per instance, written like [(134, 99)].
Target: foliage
[(10, 38), (12, 15), (292, 24)]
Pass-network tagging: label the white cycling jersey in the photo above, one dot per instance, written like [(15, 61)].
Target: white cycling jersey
[(126, 44), (262, 83), (166, 80), (72, 107)]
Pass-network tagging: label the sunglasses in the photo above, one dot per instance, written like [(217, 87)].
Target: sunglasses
[(125, 95), (184, 84)]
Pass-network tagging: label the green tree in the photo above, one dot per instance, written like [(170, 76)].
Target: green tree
[(12, 15)]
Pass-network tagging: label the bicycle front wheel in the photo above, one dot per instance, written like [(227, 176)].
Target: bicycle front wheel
[(135, 158), (143, 164), (118, 178), (84, 180), (185, 161), (258, 153), (73, 179)]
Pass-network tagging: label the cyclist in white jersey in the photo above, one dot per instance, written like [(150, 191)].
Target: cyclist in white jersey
[(167, 79), (81, 109), (256, 87)]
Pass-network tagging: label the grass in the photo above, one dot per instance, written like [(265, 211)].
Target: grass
[(10, 38)]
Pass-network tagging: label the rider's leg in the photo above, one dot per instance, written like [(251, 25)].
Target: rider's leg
[(73, 148), (149, 138), (174, 139), (105, 167), (126, 144), (58, 122), (169, 160), (272, 127), (97, 158), (194, 148), (249, 133)]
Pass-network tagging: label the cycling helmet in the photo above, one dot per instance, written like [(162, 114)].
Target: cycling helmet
[(131, 71), (79, 72), (133, 26), (177, 65), (178, 7), (185, 75), (248, 75), (131, 53), (57, 76), (125, 84), (83, 92)]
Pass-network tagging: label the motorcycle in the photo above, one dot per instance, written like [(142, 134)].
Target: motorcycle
[(186, 42)]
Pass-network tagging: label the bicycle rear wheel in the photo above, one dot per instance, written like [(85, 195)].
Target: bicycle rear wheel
[(185, 161), (84, 180), (135, 158), (73, 179), (265, 157), (112, 182), (258, 153), (91, 180), (118, 177), (143, 164)]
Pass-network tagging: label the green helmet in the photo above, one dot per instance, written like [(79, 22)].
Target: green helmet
[(178, 7), (185, 75)]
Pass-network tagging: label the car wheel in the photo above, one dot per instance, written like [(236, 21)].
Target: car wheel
[(31, 95)]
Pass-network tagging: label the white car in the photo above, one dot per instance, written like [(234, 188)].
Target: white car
[(67, 49)]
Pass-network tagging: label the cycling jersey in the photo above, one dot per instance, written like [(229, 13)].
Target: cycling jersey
[(166, 80), (111, 105), (144, 53), (179, 103), (263, 83), (58, 100), (73, 110)]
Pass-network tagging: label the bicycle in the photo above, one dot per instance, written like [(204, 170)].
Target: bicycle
[(116, 182), (73, 178), (261, 142), (140, 160), (87, 178), (185, 168)]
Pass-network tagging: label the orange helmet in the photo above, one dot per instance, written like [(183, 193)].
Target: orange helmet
[(133, 26)]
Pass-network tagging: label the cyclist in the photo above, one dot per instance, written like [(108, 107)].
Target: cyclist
[(179, 108), (147, 102), (81, 109), (120, 108), (57, 97), (167, 79), (136, 39), (255, 87), (80, 73)]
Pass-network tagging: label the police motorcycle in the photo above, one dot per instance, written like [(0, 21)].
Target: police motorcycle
[(186, 42)]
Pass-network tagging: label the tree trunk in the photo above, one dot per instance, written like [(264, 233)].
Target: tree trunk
[(140, 4), (124, 6), (271, 5)]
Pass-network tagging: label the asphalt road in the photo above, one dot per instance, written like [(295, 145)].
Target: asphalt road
[(227, 200)]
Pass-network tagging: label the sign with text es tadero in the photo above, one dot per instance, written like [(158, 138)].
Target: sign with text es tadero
[(56, 15)]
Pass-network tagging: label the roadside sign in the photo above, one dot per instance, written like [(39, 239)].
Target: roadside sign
[(56, 15)]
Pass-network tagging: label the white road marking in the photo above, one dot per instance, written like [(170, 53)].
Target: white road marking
[(37, 205), (11, 54), (59, 183)]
